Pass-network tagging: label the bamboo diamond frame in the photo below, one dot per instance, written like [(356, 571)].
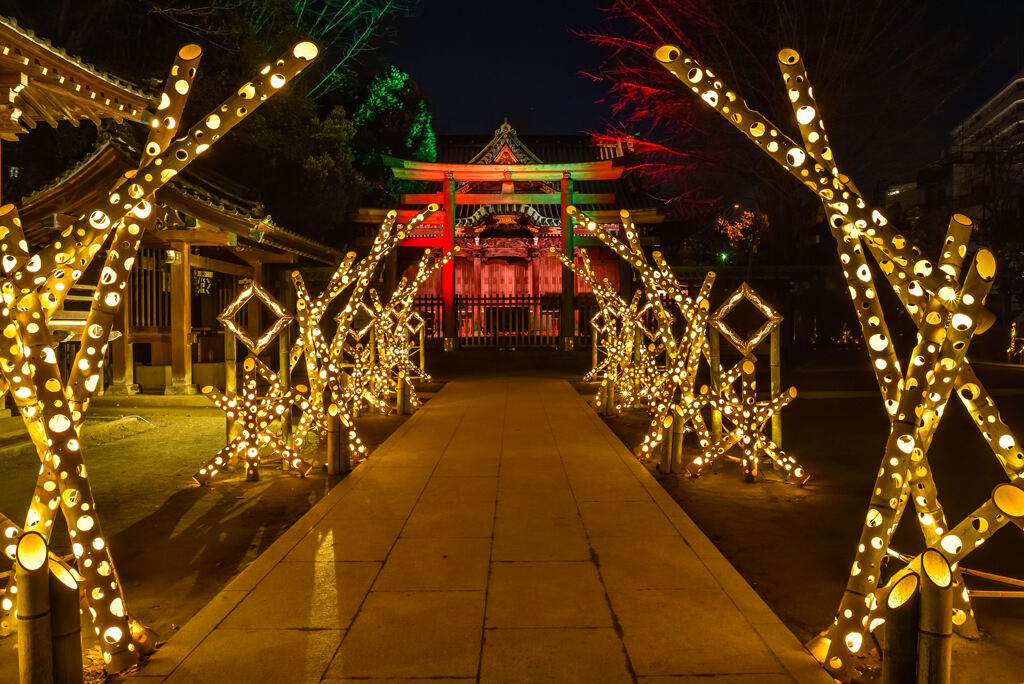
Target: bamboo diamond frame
[(947, 314), (258, 344), (745, 346), (33, 288)]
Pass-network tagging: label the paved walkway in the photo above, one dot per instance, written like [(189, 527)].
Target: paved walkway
[(502, 534)]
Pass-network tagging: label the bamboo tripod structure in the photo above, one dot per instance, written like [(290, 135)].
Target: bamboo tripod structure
[(947, 313)]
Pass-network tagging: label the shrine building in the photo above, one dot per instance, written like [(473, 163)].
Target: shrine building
[(503, 203)]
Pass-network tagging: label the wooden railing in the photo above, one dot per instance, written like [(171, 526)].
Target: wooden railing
[(508, 321), (150, 291), (431, 307)]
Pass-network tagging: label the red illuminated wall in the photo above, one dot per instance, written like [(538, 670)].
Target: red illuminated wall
[(541, 275)]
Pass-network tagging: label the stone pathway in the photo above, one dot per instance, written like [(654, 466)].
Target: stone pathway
[(502, 534)]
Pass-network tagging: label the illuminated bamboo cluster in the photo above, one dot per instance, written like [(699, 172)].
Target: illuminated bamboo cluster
[(369, 359), (252, 414), (741, 408), (33, 287), (350, 362), (947, 312), (391, 366), (626, 366), (669, 394)]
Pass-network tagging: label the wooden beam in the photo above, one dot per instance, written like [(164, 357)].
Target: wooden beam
[(253, 255), (583, 198), (28, 100), (487, 172), (220, 266), (437, 241), (416, 170), (149, 335), (181, 323), (196, 238)]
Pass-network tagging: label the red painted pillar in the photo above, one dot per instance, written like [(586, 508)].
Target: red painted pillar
[(449, 322), (567, 322)]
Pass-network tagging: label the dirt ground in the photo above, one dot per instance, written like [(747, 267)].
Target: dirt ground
[(176, 544), (795, 544)]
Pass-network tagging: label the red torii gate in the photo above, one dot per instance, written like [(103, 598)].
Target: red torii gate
[(451, 174)]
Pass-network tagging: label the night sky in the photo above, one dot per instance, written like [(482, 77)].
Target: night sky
[(480, 60)]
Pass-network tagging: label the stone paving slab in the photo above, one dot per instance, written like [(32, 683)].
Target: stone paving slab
[(501, 534)]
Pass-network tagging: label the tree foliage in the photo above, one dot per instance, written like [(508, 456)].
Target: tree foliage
[(880, 69), (301, 155), (393, 119)]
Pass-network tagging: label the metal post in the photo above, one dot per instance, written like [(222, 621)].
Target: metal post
[(935, 630), (230, 375), (66, 627), (31, 574), (776, 382), (899, 649), (716, 380), (333, 440)]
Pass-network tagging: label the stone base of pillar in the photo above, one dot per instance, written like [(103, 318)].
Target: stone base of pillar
[(181, 388), (567, 344), (122, 389), (451, 344)]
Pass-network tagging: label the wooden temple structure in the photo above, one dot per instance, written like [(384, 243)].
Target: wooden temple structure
[(44, 84), (504, 205), (204, 240)]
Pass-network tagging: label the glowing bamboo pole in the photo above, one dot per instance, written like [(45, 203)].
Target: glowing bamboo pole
[(35, 648), (68, 256), (899, 653), (846, 204), (65, 626), (935, 629), (903, 449)]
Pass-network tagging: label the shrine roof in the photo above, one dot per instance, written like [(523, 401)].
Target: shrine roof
[(200, 194), (46, 84)]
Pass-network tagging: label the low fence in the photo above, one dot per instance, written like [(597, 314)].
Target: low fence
[(506, 321)]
